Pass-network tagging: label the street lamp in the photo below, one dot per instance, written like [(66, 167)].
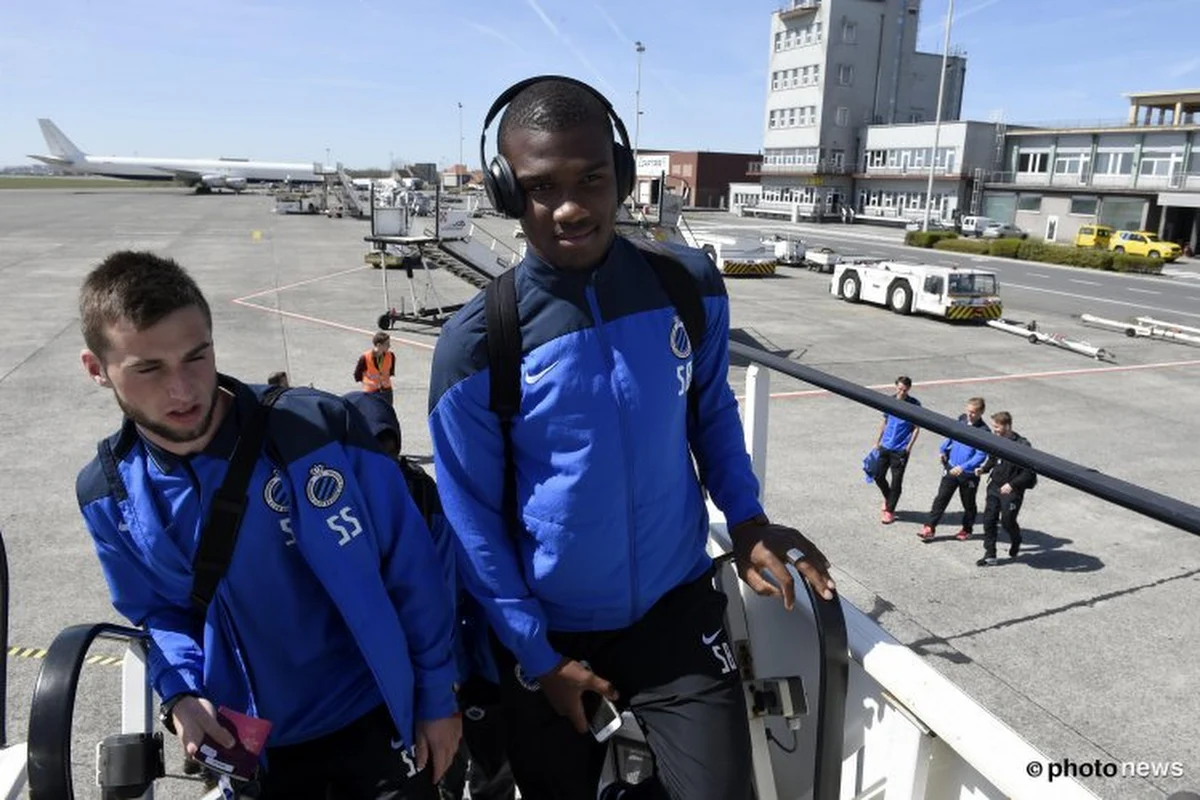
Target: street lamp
[(937, 125), (639, 48), (460, 142)]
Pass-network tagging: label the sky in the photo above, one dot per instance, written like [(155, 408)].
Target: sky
[(368, 81)]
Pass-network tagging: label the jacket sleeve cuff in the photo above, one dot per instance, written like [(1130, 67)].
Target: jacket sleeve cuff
[(538, 657), (436, 704), (178, 681), (742, 511), (435, 692)]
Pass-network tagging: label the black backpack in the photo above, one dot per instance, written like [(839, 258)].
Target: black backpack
[(423, 489), (504, 348)]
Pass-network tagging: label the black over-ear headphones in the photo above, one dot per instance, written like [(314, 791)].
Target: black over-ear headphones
[(500, 181)]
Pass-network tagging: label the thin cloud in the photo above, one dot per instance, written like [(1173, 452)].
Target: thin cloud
[(567, 43), (612, 23), (495, 33), (537, 9), (940, 25), (1178, 70)]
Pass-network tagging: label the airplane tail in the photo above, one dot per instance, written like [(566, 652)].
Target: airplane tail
[(58, 142)]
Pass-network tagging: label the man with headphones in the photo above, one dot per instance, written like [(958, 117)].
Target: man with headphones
[(580, 518)]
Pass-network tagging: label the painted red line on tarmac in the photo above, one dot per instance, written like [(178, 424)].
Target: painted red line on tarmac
[(329, 323), (300, 283), (1021, 376)]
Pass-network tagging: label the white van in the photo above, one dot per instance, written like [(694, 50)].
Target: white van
[(974, 226)]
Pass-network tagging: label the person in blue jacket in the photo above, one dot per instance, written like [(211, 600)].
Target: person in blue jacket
[(603, 587), (894, 443), (331, 620), (960, 471), (482, 763)]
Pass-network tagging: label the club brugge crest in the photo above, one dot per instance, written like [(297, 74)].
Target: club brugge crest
[(324, 486), (273, 494), (681, 345)]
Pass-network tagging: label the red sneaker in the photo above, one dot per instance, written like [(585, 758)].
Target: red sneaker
[(926, 532), (962, 535)]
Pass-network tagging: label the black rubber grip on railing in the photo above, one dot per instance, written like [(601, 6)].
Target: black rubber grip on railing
[(49, 747), (833, 650)]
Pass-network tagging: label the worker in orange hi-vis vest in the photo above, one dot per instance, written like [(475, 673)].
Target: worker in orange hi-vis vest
[(377, 367)]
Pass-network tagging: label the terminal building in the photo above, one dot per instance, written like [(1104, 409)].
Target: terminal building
[(848, 134), (1140, 173), (837, 67)]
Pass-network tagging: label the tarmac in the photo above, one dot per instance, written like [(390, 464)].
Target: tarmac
[(1085, 645)]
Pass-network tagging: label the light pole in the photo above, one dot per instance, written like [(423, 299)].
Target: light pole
[(460, 142), (937, 124), (639, 48)]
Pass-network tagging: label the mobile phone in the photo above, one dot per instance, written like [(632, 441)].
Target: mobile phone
[(603, 717)]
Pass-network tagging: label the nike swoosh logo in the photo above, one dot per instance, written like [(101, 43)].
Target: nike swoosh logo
[(397, 744), (710, 638), (533, 377)]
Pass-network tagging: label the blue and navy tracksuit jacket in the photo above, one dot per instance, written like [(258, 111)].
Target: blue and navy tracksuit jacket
[(962, 455), (610, 505), (333, 602), (898, 432)]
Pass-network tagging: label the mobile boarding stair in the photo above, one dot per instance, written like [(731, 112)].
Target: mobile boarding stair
[(454, 243), (839, 709)]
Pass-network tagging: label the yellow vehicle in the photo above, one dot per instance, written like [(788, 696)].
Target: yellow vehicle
[(1097, 236), (1144, 243)]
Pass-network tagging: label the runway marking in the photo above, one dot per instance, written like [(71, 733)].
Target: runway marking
[(1087, 283), (301, 283), (1144, 291), (244, 300), (1020, 376), (329, 323), (1102, 300)]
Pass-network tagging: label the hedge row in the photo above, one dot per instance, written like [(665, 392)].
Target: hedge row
[(1039, 251), (927, 238)]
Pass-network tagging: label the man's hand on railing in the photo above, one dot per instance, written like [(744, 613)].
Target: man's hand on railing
[(194, 718), (759, 546)]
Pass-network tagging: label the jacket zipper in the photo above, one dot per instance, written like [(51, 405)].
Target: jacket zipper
[(610, 364)]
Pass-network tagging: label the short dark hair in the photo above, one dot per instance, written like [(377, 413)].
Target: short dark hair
[(1002, 418), (552, 106), (907, 381), (380, 338), (137, 286), (277, 378)]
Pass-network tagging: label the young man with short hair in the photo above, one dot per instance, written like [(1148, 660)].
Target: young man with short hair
[(960, 464), (894, 443), (329, 619), (600, 558), (1007, 483)]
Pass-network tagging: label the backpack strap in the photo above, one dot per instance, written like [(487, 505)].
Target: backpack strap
[(504, 349), (684, 293), (219, 536), (504, 363)]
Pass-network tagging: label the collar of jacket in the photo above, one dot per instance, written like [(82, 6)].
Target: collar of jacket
[(568, 280)]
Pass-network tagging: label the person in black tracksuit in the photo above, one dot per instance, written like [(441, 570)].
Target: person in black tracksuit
[(1005, 491)]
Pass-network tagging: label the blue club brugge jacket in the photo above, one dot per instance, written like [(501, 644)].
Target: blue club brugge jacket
[(334, 601), (959, 454), (609, 501)]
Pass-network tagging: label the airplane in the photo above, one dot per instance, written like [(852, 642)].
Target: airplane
[(205, 174)]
